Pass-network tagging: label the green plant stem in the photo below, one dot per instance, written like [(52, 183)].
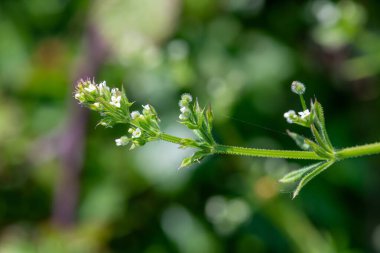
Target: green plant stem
[(369, 149), (303, 103), (177, 140), (288, 154), (171, 138)]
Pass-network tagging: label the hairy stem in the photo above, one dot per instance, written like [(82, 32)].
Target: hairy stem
[(288, 154), (177, 140), (369, 149)]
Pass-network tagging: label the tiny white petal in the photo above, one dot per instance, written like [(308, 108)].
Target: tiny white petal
[(90, 88), (78, 95), (304, 114), (184, 109), (289, 115), (136, 133), (122, 141), (115, 100), (102, 87), (135, 114)]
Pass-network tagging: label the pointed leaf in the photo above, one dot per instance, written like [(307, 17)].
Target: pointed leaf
[(319, 119), (318, 150), (299, 140), (210, 118), (185, 162), (297, 174), (196, 157), (311, 175), (320, 139)]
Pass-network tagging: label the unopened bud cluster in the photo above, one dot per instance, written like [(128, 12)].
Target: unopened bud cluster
[(184, 105)]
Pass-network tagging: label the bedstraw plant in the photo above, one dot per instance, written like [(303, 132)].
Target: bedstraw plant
[(143, 126)]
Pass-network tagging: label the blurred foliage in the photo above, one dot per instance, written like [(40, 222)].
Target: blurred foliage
[(238, 55)]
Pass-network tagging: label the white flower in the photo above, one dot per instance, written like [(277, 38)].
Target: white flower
[(102, 87), (184, 109), (304, 114), (135, 114), (114, 91), (147, 109), (78, 95), (122, 141), (97, 104), (289, 115), (115, 100), (136, 133), (90, 88)]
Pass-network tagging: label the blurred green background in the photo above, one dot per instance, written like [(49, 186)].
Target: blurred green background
[(66, 187)]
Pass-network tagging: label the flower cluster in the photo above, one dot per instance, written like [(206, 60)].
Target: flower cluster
[(196, 118), (114, 108), (184, 104), (112, 104), (200, 121), (303, 118), (144, 126), (320, 144)]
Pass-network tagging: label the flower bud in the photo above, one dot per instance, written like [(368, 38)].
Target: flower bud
[(187, 97), (122, 141), (298, 87)]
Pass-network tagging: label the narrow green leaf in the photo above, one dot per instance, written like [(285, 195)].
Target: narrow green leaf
[(297, 174), (318, 150), (320, 139), (210, 119), (196, 157), (299, 140), (320, 122), (311, 175), (185, 162)]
